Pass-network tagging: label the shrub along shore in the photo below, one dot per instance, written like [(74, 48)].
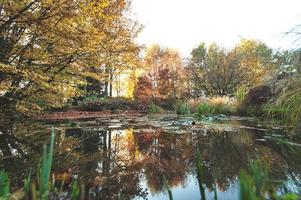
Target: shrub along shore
[(240, 105)]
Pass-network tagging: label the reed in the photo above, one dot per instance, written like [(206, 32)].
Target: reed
[(167, 188), (289, 104), (183, 108), (45, 170), (4, 185), (42, 187)]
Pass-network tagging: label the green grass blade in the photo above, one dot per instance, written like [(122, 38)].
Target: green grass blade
[(74, 191), (4, 185), (167, 188), (45, 169), (27, 183)]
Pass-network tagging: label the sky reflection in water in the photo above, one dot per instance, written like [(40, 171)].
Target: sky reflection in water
[(128, 158)]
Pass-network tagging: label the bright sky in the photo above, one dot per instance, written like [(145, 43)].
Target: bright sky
[(183, 24)]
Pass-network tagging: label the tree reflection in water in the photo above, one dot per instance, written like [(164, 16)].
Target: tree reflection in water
[(114, 163)]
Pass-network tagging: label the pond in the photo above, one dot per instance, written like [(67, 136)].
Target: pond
[(130, 157)]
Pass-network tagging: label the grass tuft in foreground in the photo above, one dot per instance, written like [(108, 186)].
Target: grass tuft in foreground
[(42, 188), (4, 185)]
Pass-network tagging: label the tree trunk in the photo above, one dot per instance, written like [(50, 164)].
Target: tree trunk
[(107, 72), (111, 82)]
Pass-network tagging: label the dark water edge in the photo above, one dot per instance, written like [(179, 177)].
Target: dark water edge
[(129, 156)]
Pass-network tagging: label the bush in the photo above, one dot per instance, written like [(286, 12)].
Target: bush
[(286, 104), (225, 109), (224, 105), (223, 100), (154, 109), (193, 104), (215, 109), (241, 94), (205, 109), (258, 96), (165, 103), (183, 108), (95, 103), (255, 100), (141, 106), (252, 110)]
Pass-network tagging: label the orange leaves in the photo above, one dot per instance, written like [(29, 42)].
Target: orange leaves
[(144, 90)]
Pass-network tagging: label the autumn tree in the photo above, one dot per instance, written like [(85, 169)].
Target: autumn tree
[(152, 62), (144, 89), (49, 48), (164, 67), (165, 85), (216, 71), (255, 60), (132, 81)]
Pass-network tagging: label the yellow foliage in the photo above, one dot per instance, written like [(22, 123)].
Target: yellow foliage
[(52, 46), (222, 100)]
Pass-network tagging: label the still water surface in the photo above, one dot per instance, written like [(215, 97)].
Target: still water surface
[(128, 157)]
